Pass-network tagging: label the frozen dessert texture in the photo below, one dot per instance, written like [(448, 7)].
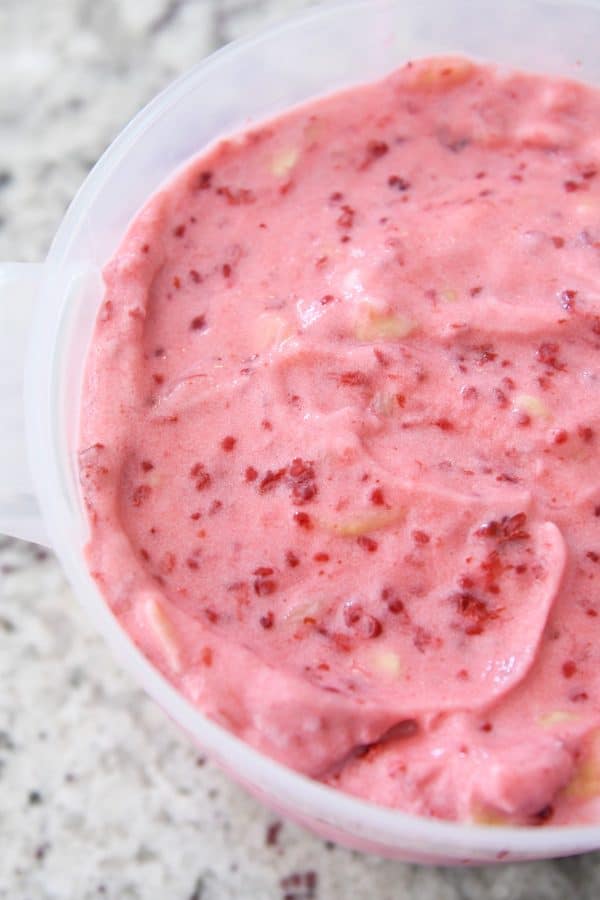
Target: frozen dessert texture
[(340, 440)]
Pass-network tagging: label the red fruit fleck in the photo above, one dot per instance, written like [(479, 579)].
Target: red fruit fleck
[(374, 150), (596, 325), (158, 379), (214, 507), (422, 638), (462, 675), (593, 556), (145, 555), (211, 615), (179, 231), (444, 424), (523, 419), (228, 443), (303, 520), (585, 433), (487, 727), (192, 563), (263, 571), (570, 186), (401, 400), (569, 668), (370, 627), (377, 498), (195, 276), (361, 623), (393, 601), (567, 300), (236, 196), (579, 696), (251, 474), (204, 180), (547, 354), (327, 298), (354, 379), (267, 620), (226, 270), (474, 611), (501, 398), (561, 436), (420, 537), (106, 311), (145, 248), (206, 657), (381, 357), (336, 197), (513, 527), (302, 481), (147, 466), (486, 354), (198, 323), (399, 183), (141, 494), (509, 528), (271, 479), (266, 425), (291, 559), (342, 641), (177, 282), (352, 614), (201, 476), (367, 543), (321, 557), (346, 217), (544, 815), (558, 242), (264, 586)]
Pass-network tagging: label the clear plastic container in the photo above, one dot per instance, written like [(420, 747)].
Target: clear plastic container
[(313, 54)]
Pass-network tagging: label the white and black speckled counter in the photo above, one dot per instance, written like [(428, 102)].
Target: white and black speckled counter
[(100, 796)]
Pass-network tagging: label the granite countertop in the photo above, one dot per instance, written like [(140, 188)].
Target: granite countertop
[(100, 795)]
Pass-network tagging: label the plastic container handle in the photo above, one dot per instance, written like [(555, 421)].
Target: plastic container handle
[(19, 510)]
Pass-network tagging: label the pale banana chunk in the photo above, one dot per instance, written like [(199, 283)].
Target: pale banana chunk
[(271, 330), (366, 523), (164, 632), (533, 406), (373, 325), (440, 74), (284, 161)]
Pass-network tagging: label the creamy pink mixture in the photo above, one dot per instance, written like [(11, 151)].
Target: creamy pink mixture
[(340, 436)]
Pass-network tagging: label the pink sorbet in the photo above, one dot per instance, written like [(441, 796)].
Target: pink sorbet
[(340, 433)]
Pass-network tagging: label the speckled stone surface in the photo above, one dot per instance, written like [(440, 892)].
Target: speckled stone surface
[(100, 796)]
